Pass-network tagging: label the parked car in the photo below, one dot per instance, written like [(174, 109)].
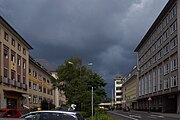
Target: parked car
[(9, 113), (52, 115)]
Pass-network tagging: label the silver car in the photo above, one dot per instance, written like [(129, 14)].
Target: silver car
[(52, 115)]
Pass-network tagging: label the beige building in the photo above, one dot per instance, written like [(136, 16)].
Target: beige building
[(40, 86), (14, 66), (159, 62), (118, 90), (130, 89)]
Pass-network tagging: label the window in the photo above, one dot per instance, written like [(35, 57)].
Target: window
[(166, 68), (160, 80), (30, 71), (13, 56), (24, 51), (5, 72), (24, 79), (13, 75), (174, 42), (19, 47), (154, 81), (19, 78), (44, 90), (13, 42), (166, 49), (174, 63), (173, 81), (173, 12), (6, 36), (24, 64), (166, 83), (19, 62), (173, 27), (30, 84), (34, 86), (40, 88)]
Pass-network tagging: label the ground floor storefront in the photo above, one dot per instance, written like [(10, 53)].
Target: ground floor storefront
[(161, 103), (12, 99)]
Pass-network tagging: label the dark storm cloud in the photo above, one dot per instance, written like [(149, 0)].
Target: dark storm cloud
[(104, 32)]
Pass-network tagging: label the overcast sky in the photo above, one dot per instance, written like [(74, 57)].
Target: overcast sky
[(104, 32)]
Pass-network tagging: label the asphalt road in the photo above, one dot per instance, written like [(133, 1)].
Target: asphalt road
[(120, 115)]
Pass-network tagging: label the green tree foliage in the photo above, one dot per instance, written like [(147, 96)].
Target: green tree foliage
[(77, 80)]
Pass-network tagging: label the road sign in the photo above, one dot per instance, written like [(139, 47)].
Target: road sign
[(149, 99)]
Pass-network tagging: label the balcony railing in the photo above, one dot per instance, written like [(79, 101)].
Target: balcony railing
[(24, 86), (13, 83), (18, 84), (6, 81)]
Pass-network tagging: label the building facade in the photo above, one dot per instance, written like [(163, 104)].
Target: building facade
[(130, 88), (158, 56), (14, 65), (40, 86), (118, 91)]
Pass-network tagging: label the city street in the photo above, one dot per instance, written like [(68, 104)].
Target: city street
[(137, 115)]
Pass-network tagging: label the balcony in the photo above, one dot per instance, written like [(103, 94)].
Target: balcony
[(24, 86), (13, 83), (18, 84), (6, 81)]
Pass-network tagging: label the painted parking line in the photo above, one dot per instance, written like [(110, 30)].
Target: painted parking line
[(124, 116)]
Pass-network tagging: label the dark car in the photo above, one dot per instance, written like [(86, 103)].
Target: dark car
[(9, 113), (52, 115)]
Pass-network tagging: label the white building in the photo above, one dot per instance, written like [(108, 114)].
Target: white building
[(118, 90)]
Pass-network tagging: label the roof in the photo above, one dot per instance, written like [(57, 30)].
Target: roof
[(156, 22), (13, 31)]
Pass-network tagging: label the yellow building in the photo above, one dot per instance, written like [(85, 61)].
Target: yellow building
[(40, 86), (14, 59), (130, 89)]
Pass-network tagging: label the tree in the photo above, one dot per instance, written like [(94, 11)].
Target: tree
[(76, 81)]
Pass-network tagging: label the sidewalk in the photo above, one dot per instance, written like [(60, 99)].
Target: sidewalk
[(173, 115)]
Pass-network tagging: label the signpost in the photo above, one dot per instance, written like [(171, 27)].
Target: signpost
[(149, 99)]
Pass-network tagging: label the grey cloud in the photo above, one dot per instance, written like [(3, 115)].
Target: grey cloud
[(105, 32)]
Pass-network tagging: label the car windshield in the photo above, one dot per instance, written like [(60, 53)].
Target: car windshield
[(1, 112)]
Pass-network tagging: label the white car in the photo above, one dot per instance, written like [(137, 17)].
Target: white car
[(52, 115)]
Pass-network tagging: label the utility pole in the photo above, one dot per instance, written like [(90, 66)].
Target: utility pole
[(92, 103)]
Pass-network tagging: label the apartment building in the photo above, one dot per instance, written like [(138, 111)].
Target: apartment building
[(40, 86), (158, 59), (118, 91), (14, 66), (129, 89)]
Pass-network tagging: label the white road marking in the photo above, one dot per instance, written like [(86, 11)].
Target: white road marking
[(158, 116), (124, 116), (136, 116)]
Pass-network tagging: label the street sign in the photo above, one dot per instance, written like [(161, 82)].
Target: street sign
[(149, 99)]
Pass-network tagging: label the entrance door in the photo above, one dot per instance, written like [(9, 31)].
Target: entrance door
[(11, 103)]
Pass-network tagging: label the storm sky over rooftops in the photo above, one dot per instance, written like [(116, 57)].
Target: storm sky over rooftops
[(104, 32)]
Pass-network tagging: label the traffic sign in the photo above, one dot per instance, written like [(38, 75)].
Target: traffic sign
[(149, 99)]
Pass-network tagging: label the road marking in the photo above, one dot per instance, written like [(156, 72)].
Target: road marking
[(124, 115), (136, 116), (158, 116), (152, 117)]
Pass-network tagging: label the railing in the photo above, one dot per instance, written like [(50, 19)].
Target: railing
[(18, 84), (13, 83), (24, 86), (6, 81)]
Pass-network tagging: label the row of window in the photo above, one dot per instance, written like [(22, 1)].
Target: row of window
[(160, 41), (13, 43), (39, 88), (162, 52), (14, 57), (156, 82), (38, 76), (35, 99), (159, 29)]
